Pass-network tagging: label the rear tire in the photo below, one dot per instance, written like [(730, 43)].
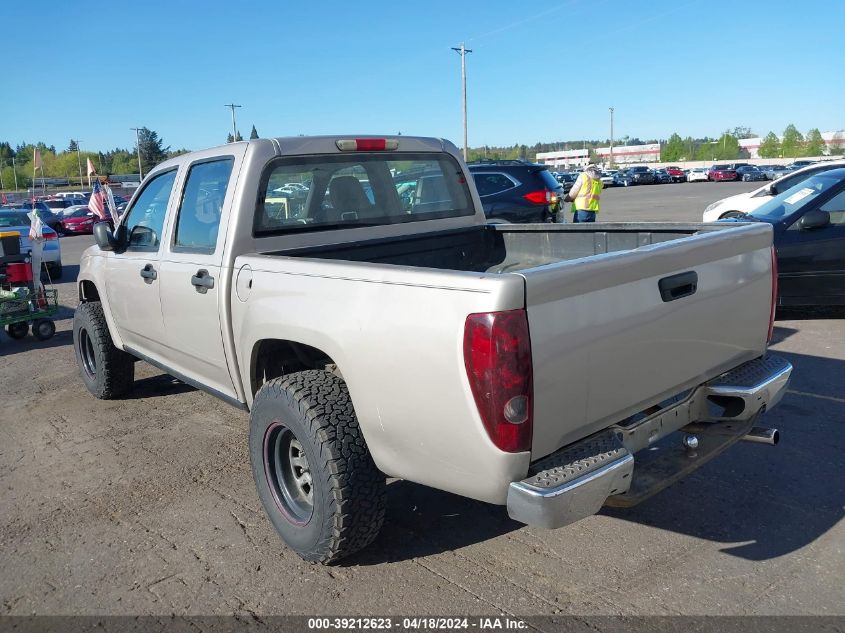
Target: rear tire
[(106, 371), (18, 330), (315, 476)]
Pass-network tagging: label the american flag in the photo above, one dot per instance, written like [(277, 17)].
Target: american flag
[(97, 203)]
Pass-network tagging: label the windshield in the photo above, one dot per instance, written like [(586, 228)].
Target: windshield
[(13, 219), (80, 213), (359, 189), (796, 197)]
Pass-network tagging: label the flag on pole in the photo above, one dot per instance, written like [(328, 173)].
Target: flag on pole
[(112, 204), (97, 203), (91, 169), (3, 199), (36, 161)]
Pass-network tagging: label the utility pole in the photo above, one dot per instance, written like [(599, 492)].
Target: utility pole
[(15, 172), (611, 137), (138, 145), (234, 127), (463, 52), (79, 162)]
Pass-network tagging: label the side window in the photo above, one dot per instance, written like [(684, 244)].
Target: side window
[(836, 208), (202, 205), (145, 221), (489, 184)]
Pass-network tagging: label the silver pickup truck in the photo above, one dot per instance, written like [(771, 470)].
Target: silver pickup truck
[(350, 294)]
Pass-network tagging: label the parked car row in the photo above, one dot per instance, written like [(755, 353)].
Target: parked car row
[(807, 212)]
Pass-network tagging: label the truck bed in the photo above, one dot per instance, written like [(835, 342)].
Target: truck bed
[(502, 248), (606, 344)]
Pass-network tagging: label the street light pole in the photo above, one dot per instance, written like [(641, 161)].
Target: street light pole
[(234, 126), (138, 147), (15, 172), (611, 137), (463, 53), (79, 162)]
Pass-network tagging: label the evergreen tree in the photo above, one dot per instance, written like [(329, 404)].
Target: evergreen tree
[(814, 143), (72, 146), (253, 134), (230, 138), (238, 136), (793, 142), (770, 147), (152, 147)]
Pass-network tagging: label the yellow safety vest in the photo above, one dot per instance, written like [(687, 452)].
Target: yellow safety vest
[(588, 195)]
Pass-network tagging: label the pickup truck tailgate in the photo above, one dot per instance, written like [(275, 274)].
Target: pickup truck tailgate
[(606, 343)]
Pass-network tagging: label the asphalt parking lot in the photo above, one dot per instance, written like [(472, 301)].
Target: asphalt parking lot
[(147, 506)]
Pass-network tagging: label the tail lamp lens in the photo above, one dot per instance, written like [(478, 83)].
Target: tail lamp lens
[(538, 197), (497, 356)]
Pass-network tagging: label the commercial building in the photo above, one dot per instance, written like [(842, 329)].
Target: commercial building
[(622, 154)]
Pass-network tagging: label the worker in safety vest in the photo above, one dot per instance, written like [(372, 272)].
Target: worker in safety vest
[(585, 194)]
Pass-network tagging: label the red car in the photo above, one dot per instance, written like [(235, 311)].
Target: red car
[(721, 172), (677, 174), (81, 221)]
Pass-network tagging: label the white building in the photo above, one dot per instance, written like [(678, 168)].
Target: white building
[(622, 154)]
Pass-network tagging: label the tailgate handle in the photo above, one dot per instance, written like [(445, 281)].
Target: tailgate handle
[(678, 286)]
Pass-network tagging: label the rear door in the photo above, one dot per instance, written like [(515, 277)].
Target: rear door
[(133, 275), (811, 263), (192, 278), (606, 344)]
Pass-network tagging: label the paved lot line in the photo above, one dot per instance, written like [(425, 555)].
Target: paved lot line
[(815, 395)]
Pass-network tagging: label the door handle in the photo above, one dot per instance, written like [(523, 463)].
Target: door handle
[(678, 286), (149, 273), (202, 281)]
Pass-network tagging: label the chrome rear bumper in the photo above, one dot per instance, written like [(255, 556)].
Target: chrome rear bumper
[(574, 482)]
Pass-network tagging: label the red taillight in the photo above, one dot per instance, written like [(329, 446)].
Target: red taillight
[(367, 144), (497, 356), (51, 236), (774, 294), (539, 197)]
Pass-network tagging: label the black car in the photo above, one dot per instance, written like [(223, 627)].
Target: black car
[(809, 237), (623, 179), (566, 180), (517, 191), (662, 177), (641, 175), (749, 173)]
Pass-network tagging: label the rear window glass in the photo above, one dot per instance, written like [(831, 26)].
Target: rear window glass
[(348, 190), (488, 184), (13, 219), (548, 180)]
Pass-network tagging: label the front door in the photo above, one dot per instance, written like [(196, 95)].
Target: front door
[(811, 262), (133, 288), (192, 282)]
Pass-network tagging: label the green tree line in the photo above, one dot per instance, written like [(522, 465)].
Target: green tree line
[(19, 160)]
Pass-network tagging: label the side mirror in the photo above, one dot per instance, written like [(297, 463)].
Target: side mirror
[(814, 219), (104, 237)]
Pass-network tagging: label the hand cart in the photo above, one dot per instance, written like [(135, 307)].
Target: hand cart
[(23, 302)]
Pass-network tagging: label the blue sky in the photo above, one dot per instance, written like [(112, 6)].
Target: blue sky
[(539, 71)]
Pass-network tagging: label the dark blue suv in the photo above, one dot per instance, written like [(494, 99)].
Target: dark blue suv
[(517, 191)]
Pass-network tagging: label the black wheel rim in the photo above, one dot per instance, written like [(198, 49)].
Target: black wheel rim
[(86, 351), (288, 474)]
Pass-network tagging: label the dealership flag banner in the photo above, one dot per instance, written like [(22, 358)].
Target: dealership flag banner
[(111, 203), (97, 203), (91, 170)]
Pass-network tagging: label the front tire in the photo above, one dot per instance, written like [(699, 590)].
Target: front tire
[(315, 476), (107, 372)]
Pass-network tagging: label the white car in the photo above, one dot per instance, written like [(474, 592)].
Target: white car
[(750, 200), (697, 174), (607, 179)]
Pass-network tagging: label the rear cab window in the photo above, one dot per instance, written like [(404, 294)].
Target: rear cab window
[(301, 194)]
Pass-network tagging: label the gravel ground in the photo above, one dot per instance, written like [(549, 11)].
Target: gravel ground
[(146, 505)]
